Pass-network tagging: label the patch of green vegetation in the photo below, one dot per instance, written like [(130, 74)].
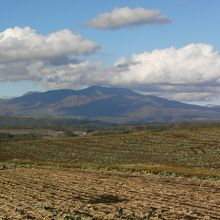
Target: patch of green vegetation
[(172, 152), (30, 122), (8, 136)]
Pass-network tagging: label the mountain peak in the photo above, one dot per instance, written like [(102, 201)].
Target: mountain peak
[(31, 93), (108, 90)]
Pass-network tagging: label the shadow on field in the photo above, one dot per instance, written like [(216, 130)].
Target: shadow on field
[(98, 199), (105, 198)]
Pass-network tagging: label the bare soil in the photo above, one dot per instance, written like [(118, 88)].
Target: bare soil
[(43, 193)]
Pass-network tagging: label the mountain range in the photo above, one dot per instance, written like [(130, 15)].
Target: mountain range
[(105, 104)]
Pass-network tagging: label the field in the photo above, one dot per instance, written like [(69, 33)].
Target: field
[(174, 150), (30, 193), (172, 174)]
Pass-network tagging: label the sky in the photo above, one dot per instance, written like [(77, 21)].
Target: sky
[(160, 47)]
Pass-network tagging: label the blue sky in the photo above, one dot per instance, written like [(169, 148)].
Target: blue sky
[(192, 22)]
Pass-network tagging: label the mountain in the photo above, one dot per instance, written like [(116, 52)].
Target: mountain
[(107, 104)]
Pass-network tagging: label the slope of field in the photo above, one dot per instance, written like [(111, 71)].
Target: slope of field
[(198, 149), (30, 193)]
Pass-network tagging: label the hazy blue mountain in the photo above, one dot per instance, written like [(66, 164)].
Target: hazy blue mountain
[(102, 103)]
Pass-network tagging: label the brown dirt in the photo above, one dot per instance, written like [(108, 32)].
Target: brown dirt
[(31, 193)]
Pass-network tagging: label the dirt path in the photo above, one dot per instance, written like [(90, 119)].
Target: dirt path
[(30, 193)]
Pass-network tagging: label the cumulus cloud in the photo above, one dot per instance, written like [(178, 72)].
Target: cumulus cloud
[(192, 64), (172, 72), (21, 44), (24, 52), (74, 75), (125, 17)]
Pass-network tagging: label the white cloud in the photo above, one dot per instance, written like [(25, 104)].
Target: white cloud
[(125, 17), (22, 44), (192, 64), (79, 75), (24, 52), (173, 72)]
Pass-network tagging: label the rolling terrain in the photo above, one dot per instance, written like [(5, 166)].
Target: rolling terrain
[(181, 151), (171, 174), (105, 104)]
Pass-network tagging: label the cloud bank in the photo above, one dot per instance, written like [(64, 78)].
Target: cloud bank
[(125, 17), (190, 73)]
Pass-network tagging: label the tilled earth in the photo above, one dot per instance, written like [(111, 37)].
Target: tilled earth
[(40, 193)]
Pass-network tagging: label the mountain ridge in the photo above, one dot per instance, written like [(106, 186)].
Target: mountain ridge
[(105, 103)]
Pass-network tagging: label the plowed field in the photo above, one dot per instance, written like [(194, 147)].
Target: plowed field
[(37, 193)]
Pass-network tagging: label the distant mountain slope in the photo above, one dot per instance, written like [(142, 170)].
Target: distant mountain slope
[(109, 104)]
